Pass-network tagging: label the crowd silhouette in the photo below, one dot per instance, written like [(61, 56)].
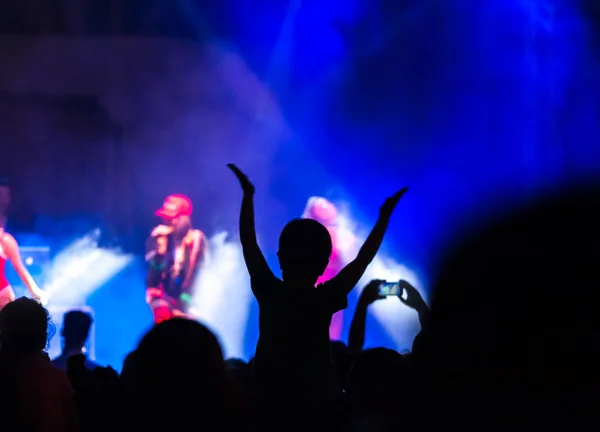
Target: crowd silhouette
[(510, 339)]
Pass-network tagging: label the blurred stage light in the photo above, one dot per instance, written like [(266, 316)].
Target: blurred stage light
[(222, 294), (80, 269)]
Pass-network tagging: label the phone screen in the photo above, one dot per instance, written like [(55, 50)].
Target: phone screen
[(389, 289)]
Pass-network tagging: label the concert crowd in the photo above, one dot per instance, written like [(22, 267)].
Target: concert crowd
[(509, 336)]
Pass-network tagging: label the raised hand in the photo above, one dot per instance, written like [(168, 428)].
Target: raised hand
[(255, 260), (246, 185), (371, 293), (390, 203), (413, 298), (39, 295)]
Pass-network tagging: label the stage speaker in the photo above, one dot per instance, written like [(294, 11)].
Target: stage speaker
[(57, 314)]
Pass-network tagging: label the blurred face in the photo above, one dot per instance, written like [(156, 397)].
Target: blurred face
[(4, 198), (181, 225), (171, 222)]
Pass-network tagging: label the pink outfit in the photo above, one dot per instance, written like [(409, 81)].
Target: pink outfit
[(335, 265), (6, 292), (323, 211)]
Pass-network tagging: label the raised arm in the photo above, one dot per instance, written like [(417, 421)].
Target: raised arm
[(356, 337), (11, 249), (415, 301), (255, 260), (349, 276)]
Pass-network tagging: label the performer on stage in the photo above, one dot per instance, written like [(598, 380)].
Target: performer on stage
[(323, 211), (175, 253), (9, 251)]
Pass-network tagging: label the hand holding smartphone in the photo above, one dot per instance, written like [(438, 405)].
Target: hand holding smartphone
[(393, 289), (387, 289)]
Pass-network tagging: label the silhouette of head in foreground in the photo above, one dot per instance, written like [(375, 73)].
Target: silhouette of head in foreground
[(23, 328), (304, 250), (76, 329), (515, 309), (179, 365)]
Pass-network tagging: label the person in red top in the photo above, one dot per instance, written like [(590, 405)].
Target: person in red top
[(175, 253), (325, 212), (9, 251)]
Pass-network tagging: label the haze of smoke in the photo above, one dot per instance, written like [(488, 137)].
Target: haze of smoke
[(400, 322), (80, 269), (222, 294)]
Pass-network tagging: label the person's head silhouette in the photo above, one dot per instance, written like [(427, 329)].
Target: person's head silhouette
[(76, 329), (304, 250), (24, 325)]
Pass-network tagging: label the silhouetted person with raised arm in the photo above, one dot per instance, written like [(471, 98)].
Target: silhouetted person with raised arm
[(356, 337), (293, 361), (75, 332), (370, 294), (415, 301)]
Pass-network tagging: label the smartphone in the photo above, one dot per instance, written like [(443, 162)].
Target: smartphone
[(387, 289)]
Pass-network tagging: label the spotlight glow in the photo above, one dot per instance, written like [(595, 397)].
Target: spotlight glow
[(222, 294), (399, 321), (80, 269)]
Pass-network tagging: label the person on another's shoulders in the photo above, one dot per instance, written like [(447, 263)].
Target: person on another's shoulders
[(293, 359)]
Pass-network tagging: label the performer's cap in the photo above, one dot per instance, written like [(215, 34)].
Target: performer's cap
[(174, 206)]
